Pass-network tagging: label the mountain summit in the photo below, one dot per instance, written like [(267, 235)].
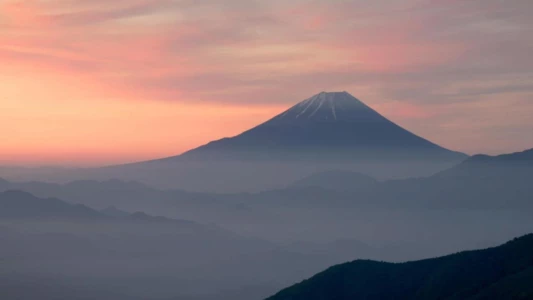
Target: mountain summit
[(331, 126), (330, 107)]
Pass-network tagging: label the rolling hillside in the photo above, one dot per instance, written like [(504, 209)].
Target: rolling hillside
[(506, 271)]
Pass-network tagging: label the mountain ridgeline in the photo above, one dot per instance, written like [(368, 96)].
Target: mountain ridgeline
[(504, 272), (326, 127), (512, 164)]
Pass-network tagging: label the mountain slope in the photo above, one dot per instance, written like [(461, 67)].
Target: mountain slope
[(328, 126), (466, 275)]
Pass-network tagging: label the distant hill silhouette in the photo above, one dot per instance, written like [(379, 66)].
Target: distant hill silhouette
[(113, 211), (481, 182), (23, 205), (524, 156), (80, 251), (504, 272), (473, 184), (513, 164), (326, 127), (95, 194), (336, 180), (18, 204)]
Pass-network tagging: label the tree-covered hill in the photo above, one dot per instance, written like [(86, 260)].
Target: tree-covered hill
[(504, 272)]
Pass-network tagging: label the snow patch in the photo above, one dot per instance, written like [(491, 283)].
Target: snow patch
[(310, 103), (333, 111), (317, 108), (324, 106)]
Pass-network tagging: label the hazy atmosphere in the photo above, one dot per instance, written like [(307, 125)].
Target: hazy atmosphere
[(266, 150)]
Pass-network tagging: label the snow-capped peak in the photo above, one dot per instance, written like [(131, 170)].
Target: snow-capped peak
[(330, 106)]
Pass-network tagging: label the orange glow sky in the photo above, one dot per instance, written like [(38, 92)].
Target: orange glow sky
[(95, 82)]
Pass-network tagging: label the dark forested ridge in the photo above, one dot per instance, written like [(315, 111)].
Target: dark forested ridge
[(504, 272)]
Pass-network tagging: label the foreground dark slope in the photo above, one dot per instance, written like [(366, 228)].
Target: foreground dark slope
[(505, 271)]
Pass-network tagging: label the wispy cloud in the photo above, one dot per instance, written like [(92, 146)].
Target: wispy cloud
[(431, 59)]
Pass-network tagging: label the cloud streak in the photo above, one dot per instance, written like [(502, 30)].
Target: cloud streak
[(432, 60)]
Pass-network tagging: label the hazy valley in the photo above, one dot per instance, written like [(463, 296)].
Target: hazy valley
[(345, 184)]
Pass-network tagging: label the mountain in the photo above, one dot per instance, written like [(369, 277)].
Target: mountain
[(48, 243), (4, 184), (503, 272), (113, 211), (513, 164), (336, 180), (18, 204), (521, 157), (96, 194), (23, 205), (143, 217), (326, 127)]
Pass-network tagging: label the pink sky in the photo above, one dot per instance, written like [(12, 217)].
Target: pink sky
[(92, 82)]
